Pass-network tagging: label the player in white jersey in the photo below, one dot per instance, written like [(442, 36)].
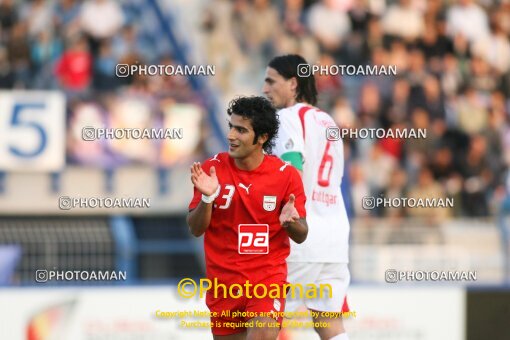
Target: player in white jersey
[(302, 141)]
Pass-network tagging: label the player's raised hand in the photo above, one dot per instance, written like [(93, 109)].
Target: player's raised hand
[(204, 183), (289, 213)]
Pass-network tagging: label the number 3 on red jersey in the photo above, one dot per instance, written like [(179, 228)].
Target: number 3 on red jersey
[(228, 196)]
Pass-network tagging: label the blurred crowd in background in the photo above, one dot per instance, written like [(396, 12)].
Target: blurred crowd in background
[(453, 62), (74, 46), (452, 58)]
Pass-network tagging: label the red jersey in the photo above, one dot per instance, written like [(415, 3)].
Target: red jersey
[(244, 240)]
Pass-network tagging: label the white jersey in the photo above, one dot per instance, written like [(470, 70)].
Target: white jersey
[(303, 129)]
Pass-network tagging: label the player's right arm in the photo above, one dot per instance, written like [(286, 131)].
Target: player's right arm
[(200, 217)]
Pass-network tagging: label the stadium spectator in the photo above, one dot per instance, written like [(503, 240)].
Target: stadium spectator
[(100, 19), (7, 77), (260, 26), (329, 25), (343, 113), (399, 106), (397, 188), (495, 47), (398, 55), (378, 168), (421, 119), (105, 78), (293, 17), (130, 45), (442, 164), (394, 146), (67, 13), (417, 72), (433, 100), (482, 77), (295, 36), (74, 68), (39, 16), (468, 19), (478, 176), (472, 114), (45, 50), (8, 18), (327, 84), (359, 189), (427, 188), (18, 49), (434, 46), (222, 47), (404, 21), (451, 76)]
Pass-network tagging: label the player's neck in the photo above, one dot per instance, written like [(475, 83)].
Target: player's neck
[(250, 163), (291, 102)]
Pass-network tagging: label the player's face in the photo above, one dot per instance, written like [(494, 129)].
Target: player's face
[(240, 138), (281, 92)]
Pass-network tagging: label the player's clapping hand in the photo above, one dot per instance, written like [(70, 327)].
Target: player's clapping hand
[(204, 183), (289, 213)]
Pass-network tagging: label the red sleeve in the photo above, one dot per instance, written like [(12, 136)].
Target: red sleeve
[(296, 188), (197, 196)]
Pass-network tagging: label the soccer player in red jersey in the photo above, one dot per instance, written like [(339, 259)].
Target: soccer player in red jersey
[(247, 204)]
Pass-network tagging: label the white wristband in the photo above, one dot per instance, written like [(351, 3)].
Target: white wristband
[(210, 199)]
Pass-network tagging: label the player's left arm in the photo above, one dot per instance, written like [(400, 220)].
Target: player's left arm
[(293, 214)]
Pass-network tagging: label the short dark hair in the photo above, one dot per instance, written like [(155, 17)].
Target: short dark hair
[(262, 116), (287, 67)]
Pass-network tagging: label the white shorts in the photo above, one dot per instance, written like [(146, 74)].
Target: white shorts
[(335, 274)]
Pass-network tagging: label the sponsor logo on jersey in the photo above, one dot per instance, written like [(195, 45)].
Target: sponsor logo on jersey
[(269, 203), (215, 158), (284, 166), (253, 239), (247, 188)]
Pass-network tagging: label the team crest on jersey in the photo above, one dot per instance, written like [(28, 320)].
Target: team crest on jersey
[(269, 203), (290, 144)]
